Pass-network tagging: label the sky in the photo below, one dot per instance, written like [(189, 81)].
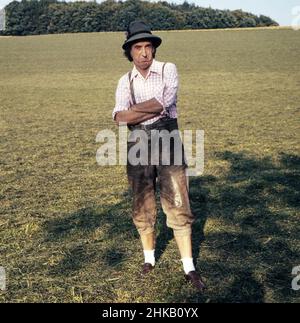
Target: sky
[(279, 10)]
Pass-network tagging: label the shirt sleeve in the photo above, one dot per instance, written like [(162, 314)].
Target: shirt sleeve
[(168, 96), (122, 96)]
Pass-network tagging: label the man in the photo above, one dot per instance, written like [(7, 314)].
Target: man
[(146, 100)]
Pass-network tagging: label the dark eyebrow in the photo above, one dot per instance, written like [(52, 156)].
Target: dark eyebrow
[(138, 46)]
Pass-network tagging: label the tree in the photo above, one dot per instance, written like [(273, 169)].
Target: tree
[(30, 17)]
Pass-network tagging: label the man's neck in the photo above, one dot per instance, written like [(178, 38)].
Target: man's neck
[(145, 72)]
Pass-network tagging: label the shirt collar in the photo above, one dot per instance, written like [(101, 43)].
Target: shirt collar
[(154, 68)]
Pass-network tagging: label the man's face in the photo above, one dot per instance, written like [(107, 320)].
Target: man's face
[(142, 54)]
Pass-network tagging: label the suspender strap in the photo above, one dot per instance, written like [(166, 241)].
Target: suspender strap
[(162, 72), (131, 89), (131, 84)]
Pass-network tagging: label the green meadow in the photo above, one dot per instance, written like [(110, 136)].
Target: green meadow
[(66, 233)]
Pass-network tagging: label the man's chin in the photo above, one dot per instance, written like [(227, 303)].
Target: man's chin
[(145, 65)]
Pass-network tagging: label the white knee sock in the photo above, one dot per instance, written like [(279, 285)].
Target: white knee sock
[(149, 256), (188, 265)]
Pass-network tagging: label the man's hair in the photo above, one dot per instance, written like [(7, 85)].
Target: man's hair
[(127, 51)]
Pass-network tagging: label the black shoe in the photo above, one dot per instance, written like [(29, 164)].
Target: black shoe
[(147, 267), (194, 278)]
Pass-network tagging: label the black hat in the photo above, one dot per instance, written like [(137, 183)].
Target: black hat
[(138, 30)]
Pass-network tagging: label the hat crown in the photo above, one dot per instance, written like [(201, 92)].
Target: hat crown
[(137, 27), (138, 30)]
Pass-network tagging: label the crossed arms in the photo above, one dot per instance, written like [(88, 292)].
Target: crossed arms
[(140, 112)]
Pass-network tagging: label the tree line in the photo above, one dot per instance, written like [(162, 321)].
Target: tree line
[(34, 17)]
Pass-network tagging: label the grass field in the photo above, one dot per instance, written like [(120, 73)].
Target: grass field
[(66, 232)]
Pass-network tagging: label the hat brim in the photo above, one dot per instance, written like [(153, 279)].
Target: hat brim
[(143, 36)]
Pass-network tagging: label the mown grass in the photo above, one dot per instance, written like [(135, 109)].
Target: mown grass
[(66, 232)]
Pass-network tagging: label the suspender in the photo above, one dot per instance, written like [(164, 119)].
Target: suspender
[(162, 72), (131, 89), (131, 83)]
